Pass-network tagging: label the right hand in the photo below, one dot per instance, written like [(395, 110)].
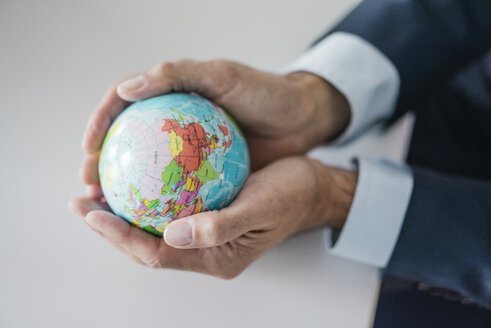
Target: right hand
[(286, 197), (279, 115)]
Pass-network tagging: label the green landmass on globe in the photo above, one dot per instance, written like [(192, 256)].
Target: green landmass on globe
[(171, 156)]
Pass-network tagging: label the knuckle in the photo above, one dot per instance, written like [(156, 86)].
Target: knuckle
[(215, 64), (229, 69), (211, 231), (222, 68), (164, 68), (222, 75)]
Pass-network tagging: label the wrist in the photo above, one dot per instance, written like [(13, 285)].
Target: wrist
[(335, 190), (327, 109)]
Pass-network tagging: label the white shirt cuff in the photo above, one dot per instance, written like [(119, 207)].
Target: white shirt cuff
[(368, 79), (377, 212)]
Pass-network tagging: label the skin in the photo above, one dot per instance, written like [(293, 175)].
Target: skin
[(282, 117)]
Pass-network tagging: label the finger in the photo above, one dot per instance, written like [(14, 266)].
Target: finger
[(83, 205), (142, 247), (100, 120), (119, 248), (89, 171), (209, 79), (94, 191), (152, 251), (134, 240), (208, 229)]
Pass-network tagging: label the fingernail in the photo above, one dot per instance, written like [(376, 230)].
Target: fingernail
[(133, 83), (178, 234)]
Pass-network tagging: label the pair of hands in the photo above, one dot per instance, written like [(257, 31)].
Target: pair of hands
[(282, 117)]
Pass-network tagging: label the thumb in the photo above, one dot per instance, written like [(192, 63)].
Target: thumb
[(205, 78), (206, 229)]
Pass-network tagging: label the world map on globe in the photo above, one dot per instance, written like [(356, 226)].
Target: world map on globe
[(169, 157)]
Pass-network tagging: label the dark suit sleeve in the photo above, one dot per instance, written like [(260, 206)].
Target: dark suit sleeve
[(427, 40), (445, 240)]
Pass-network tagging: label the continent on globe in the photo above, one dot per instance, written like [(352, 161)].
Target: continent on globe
[(171, 156)]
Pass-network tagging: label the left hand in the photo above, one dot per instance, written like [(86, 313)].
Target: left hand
[(280, 116), (283, 198)]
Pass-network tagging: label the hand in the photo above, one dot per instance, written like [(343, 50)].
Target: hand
[(283, 198), (280, 115)]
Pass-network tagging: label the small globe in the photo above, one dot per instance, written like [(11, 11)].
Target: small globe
[(171, 156)]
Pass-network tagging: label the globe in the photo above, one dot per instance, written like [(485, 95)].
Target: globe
[(169, 157)]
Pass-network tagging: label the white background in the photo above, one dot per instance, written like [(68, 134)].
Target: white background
[(56, 60)]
